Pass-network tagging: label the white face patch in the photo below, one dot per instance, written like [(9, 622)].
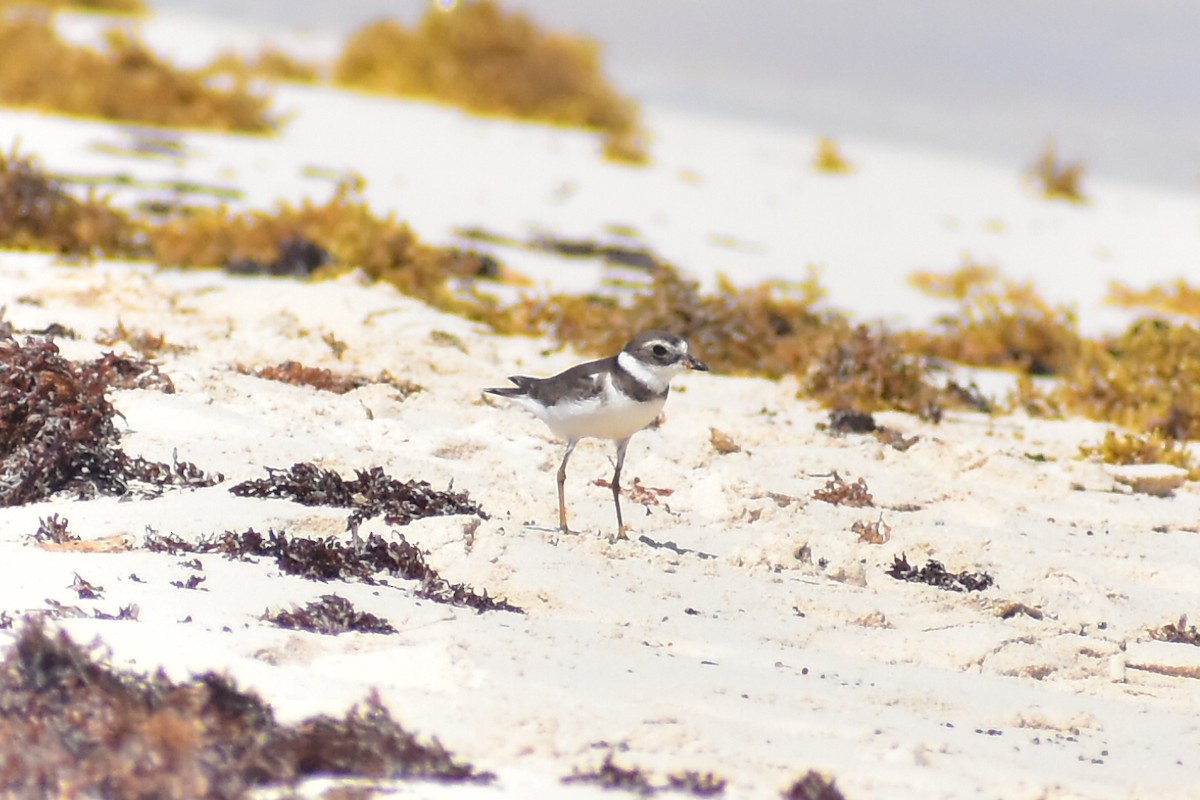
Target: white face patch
[(650, 375)]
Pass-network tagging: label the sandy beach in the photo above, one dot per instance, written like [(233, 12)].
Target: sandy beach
[(748, 628)]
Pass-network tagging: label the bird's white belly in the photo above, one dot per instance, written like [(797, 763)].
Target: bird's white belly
[(618, 418)]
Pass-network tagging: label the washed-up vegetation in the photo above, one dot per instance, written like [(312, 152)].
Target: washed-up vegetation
[(997, 322), (1142, 379), (57, 429), (72, 725), (38, 213), (477, 56), (123, 81), (93, 6), (1056, 180), (933, 573), (330, 560), (472, 54)]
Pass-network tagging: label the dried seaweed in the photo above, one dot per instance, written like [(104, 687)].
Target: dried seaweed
[(72, 726), (120, 372), (330, 615), (124, 80), (86, 589), (840, 493), (635, 780), (371, 494), (874, 532), (1146, 448), (1177, 632), (57, 430), (193, 582), (485, 59), (327, 560), (296, 256), (697, 784), (844, 420), (722, 442), (296, 374), (37, 214), (622, 254), (1058, 181), (867, 368), (829, 158), (813, 786), (640, 493), (610, 775), (934, 574), (144, 343), (53, 530), (998, 322)]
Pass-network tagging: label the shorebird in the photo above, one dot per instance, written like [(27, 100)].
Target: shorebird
[(612, 398)]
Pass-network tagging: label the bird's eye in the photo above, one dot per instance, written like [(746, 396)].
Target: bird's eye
[(659, 350)]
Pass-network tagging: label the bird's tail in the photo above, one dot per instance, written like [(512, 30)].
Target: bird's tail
[(520, 390)]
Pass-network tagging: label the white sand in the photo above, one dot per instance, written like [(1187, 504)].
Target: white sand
[(744, 629)]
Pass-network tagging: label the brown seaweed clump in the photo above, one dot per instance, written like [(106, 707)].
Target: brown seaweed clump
[(125, 81), (1146, 448), (838, 492), (635, 780), (812, 785), (91, 6), (481, 58), (1144, 379), (269, 62), (327, 560), (371, 493), (37, 214), (1178, 632), (57, 430), (998, 323), (1175, 297), (869, 369), (330, 615), (1058, 181), (297, 374), (72, 726), (339, 235), (935, 574)]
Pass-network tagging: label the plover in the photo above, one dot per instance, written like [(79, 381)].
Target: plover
[(612, 398)]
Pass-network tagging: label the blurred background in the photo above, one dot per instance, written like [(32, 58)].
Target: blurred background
[(1115, 83)]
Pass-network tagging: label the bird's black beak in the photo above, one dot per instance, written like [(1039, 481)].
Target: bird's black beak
[(691, 362)]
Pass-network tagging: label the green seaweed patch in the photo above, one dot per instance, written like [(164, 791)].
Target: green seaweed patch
[(477, 56), (123, 81), (72, 724), (997, 322)]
